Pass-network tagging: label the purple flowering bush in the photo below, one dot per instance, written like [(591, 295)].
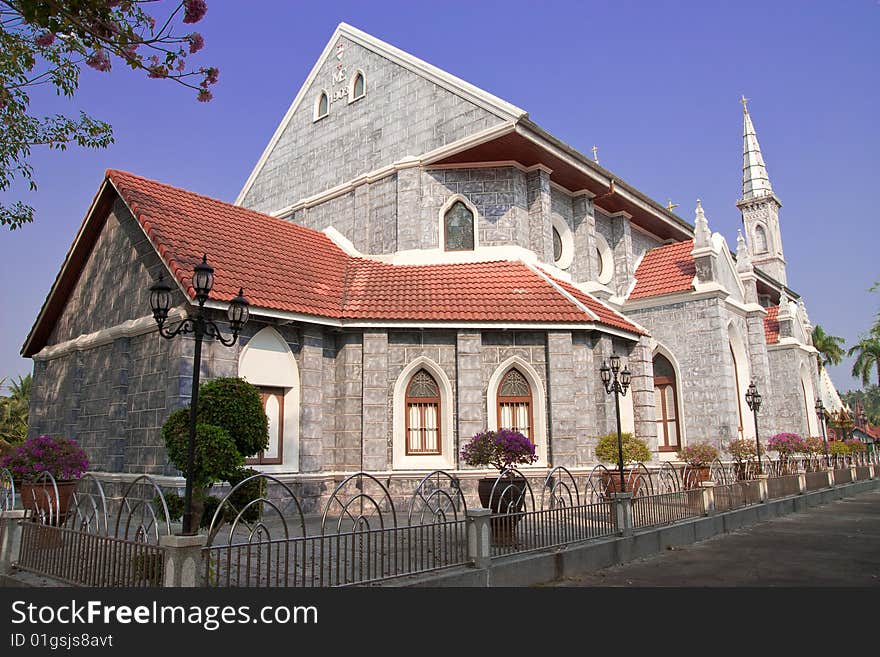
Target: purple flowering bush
[(698, 454), (63, 458), (500, 449), (787, 444)]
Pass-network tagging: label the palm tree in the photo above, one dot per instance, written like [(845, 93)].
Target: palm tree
[(830, 347), (14, 411), (867, 353)]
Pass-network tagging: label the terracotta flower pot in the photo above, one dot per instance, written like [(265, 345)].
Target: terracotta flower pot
[(39, 498)]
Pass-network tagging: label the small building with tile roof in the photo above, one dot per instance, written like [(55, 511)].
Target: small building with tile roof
[(423, 262)]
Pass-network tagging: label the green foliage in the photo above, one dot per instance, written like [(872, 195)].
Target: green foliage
[(869, 399), (634, 449), (830, 347), (838, 448), (235, 405), (253, 490), (46, 43), (867, 353), (14, 412), (215, 452)]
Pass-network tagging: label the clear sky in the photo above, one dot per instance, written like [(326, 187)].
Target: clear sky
[(655, 85)]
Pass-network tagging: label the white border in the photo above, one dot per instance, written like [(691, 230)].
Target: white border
[(316, 115), (351, 97)]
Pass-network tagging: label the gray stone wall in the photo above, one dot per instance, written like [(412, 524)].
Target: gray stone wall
[(401, 114), (696, 333), (641, 244)]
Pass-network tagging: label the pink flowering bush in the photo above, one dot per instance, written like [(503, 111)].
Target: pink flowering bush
[(500, 449), (698, 454), (855, 445), (63, 458), (741, 450), (814, 445), (787, 444)]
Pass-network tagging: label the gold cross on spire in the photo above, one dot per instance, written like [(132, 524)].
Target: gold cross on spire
[(670, 205), (744, 100), (595, 154)]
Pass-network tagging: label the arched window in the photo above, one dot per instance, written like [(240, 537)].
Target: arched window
[(273, 406), (458, 227), (515, 403), (739, 406), (358, 86), (322, 106), (557, 245), (666, 405), (422, 415), (760, 239)]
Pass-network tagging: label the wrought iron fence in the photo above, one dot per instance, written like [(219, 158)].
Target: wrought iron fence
[(783, 486), (81, 543), (667, 508)]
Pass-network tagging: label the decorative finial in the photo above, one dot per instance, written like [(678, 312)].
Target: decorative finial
[(743, 260), (670, 205), (744, 100), (595, 154), (702, 234)]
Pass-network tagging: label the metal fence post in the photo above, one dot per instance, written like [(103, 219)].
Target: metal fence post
[(479, 537), (708, 497), (10, 538), (763, 492), (184, 564), (623, 507)]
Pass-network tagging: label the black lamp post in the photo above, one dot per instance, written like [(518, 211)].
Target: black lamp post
[(618, 386), (200, 327), (753, 399), (820, 411)]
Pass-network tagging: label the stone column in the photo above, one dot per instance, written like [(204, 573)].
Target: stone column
[(10, 538), (763, 492), (623, 509), (375, 401), (479, 537), (540, 225), (642, 390), (349, 402), (184, 565), (311, 449), (118, 411), (471, 417), (586, 371), (708, 488), (560, 375), (622, 247), (408, 215)]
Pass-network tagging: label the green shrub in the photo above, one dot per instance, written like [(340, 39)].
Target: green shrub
[(235, 405), (838, 448), (215, 451), (634, 449)]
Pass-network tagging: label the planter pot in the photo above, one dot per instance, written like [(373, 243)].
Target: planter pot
[(692, 477), (611, 482), (506, 505), (39, 498)]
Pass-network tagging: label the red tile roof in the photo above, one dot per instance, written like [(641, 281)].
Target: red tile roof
[(664, 270), (771, 324), (283, 266)]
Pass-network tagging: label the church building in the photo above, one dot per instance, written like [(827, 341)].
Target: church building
[(423, 262)]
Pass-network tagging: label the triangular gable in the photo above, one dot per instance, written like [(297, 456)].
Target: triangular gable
[(301, 146)]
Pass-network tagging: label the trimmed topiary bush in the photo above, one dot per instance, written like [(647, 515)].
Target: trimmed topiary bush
[(634, 449), (235, 405)]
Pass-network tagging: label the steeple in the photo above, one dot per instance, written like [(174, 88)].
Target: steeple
[(760, 206), (756, 183)]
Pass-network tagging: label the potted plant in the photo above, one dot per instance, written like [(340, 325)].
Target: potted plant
[(500, 449), (697, 458), (62, 458), (743, 452), (814, 447), (635, 450), (786, 445)]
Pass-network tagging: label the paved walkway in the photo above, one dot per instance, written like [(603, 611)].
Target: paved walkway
[(833, 545)]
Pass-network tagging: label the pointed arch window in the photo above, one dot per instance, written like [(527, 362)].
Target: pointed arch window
[(739, 407), (358, 86), (515, 403), (322, 106), (273, 406), (761, 245), (422, 415), (458, 228), (666, 405)]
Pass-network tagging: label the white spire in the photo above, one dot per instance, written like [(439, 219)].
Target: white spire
[(702, 234), (743, 261), (756, 183)]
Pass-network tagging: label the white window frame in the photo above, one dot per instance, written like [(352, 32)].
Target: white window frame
[(317, 113), (567, 238), (399, 458), (607, 256), (351, 97)]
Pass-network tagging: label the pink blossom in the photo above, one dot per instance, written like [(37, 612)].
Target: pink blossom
[(204, 96), (99, 60), (157, 72), (194, 10), (196, 42), (45, 39), (211, 75)]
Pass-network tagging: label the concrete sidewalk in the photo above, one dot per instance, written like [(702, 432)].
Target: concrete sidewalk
[(837, 544)]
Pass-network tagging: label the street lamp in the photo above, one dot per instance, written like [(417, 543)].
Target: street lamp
[(753, 399), (618, 386), (820, 411), (200, 327)]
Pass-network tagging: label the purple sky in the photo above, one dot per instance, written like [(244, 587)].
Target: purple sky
[(655, 85)]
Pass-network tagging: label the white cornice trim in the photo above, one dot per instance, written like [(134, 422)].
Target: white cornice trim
[(129, 329), (791, 343), (675, 297), (474, 94)]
